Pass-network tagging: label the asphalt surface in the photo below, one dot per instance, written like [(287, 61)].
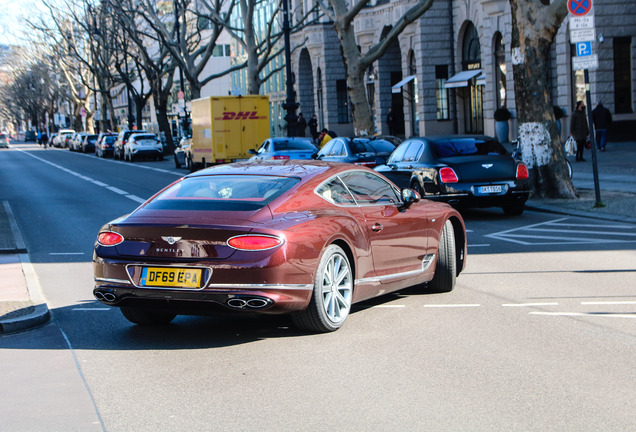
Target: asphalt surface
[(22, 304)]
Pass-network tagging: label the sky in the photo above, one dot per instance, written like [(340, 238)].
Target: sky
[(12, 13)]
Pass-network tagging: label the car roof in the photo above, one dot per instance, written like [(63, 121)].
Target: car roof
[(288, 168)]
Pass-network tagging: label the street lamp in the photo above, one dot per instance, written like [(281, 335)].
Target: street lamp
[(290, 104)]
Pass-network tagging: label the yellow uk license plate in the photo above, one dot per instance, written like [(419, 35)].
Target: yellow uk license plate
[(171, 277)]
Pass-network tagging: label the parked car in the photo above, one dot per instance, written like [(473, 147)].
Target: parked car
[(140, 145), (181, 152), (367, 151), (30, 136), (118, 146), (285, 148), (303, 237), (60, 139), (463, 170), (104, 144), (87, 145), (75, 142), (4, 141)]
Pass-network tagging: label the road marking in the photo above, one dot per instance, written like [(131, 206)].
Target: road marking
[(567, 234), (91, 309), (585, 314), (528, 304), (97, 182), (451, 305), (478, 245), (609, 303)]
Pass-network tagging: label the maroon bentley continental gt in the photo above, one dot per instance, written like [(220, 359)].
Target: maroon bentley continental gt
[(306, 238)]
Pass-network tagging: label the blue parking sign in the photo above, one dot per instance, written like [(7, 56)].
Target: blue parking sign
[(583, 49)]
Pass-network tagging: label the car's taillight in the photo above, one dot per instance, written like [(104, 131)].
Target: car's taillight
[(254, 242), (109, 238), (448, 175), (281, 157), (522, 172)]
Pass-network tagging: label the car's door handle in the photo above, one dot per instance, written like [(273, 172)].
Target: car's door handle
[(376, 227)]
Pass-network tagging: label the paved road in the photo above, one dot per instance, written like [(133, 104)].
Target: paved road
[(538, 335)]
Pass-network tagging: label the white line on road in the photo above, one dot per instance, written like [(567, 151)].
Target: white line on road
[(451, 305), (117, 190), (609, 303), (478, 245), (92, 309), (136, 198), (585, 314), (528, 304)]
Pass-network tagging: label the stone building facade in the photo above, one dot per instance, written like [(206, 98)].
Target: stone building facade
[(450, 70)]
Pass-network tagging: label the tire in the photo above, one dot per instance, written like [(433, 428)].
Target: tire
[(515, 209), (417, 187), (446, 268), (146, 317), (333, 291)]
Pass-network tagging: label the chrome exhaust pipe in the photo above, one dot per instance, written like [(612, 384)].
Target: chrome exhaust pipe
[(248, 303), (105, 296), (109, 296), (98, 295)]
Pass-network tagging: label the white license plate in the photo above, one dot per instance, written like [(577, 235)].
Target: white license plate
[(490, 189)]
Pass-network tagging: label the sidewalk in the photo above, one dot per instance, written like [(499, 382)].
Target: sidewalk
[(22, 305)]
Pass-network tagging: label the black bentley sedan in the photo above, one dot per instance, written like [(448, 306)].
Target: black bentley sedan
[(462, 170)]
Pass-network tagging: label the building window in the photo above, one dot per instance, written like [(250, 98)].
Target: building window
[(622, 75), (500, 71), (342, 101), (221, 51), (442, 93)]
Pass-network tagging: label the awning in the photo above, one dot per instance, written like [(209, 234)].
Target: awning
[(398, 87), (463, 78)]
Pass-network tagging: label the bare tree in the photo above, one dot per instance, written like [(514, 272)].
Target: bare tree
[(534, 26), (356, 63)]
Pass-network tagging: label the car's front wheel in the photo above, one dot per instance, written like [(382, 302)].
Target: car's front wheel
[(446, 268), (333, 291), (146, 317)]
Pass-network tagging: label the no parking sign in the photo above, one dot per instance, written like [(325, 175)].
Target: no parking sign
[(579, 7)]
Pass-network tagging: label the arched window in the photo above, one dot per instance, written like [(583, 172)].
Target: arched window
[(500, 70), (471, 48)]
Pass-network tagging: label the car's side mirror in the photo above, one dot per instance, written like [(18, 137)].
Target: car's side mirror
[(315, 156), (252, 151), (409, 196)]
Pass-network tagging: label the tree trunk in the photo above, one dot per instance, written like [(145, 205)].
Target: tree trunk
[(534, 26)]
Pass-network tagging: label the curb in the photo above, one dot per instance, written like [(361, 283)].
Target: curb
[(579, 213), (40, 313)]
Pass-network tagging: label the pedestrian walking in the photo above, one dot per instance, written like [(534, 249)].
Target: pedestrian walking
[(45, 139), (390, 121), (579, 130), (313, 126), (301, 126), (602, 118)]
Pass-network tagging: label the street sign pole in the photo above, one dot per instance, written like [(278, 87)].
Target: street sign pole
[(590, 122)]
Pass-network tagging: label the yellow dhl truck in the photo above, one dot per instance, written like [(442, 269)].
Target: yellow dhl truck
[(225, 128)]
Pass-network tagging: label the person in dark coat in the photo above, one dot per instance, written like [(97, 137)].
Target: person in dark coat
[(390, 122), (579, 130), (301, 126), (313, 126), (602, 118)]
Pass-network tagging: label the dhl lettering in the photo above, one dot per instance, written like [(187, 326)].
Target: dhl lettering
[(241, 115)]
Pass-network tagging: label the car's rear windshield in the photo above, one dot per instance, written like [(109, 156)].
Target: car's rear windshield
[(294, 145), (371, 146), (223, 193), (110, 139), (467, 147), (145, 137)]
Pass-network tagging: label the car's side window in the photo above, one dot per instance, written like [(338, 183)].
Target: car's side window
[(335, 192), (398, 154), (413, 152), (263, 147), (368, 188)]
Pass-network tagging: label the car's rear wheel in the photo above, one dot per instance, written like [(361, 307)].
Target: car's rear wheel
[(333, 291), (146, 317), (514, 209), (417, 187), (446, 268)]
